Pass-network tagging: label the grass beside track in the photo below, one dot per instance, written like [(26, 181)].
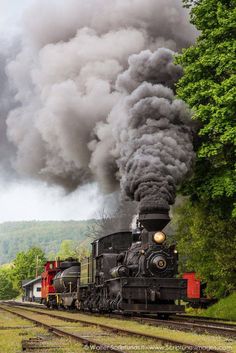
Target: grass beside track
[(224, 309), (127, 343), (14, 329), (216, 342)]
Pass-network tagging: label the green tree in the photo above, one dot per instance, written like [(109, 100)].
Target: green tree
[(207, 245), (7, 290), (67, 249), (28, 264), (70, 248), (208, 86)]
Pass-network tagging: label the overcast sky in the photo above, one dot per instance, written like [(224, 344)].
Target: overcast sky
[(10, 14), (26, 201), (30, 200)]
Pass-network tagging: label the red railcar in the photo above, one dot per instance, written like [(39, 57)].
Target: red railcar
[(51, 268), (193, 286), (196, 296)]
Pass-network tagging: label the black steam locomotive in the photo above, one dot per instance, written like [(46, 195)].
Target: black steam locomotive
[(127, 271)]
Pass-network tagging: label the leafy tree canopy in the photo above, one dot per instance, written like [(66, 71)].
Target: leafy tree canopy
[(7, 290), (28, 264), (209, 87), (207, 245), (70, 248)]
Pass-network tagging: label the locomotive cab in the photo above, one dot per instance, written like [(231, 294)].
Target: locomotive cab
[(96, 270)]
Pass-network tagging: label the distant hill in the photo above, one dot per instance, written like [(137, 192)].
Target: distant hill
[(20, 236)]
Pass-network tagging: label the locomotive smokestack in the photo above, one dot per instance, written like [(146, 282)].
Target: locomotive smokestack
[(154, 221)]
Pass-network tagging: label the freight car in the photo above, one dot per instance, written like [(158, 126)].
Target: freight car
[(47, 288), (196, 296), (127, 272), (59, 282)]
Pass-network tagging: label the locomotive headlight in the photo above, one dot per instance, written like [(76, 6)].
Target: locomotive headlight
[(159, 237)]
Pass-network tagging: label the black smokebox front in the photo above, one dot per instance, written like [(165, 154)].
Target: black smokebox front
[(154, 221)]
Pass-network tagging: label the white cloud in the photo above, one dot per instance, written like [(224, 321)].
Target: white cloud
[(26, 201), (10, 16), (36, 201)]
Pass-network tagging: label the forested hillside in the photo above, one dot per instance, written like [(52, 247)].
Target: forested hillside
[(20, 236)]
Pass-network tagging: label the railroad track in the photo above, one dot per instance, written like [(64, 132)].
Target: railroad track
[(176, 322), (210, 327), (205, 318), (177, 317), (87, 342), (198, 319), (23, 312), (199, 326)]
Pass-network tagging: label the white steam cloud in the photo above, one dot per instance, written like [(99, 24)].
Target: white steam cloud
[(91, 103)]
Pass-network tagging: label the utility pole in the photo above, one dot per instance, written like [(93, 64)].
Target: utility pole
[(37, 265)]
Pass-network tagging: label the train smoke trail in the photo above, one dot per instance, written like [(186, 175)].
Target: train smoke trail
[(83, 113), (152, 130)]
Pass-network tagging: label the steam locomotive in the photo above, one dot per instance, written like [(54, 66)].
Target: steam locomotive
[(127, 272)]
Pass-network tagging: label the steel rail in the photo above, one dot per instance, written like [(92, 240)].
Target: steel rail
[(205, 318), (175, 322), (167, 341), (177, 317), (199, 320), (212, 325), (206, 327), (59, 332)]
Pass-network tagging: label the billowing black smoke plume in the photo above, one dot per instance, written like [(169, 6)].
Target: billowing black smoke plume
[(152, 130), (94, 96)]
